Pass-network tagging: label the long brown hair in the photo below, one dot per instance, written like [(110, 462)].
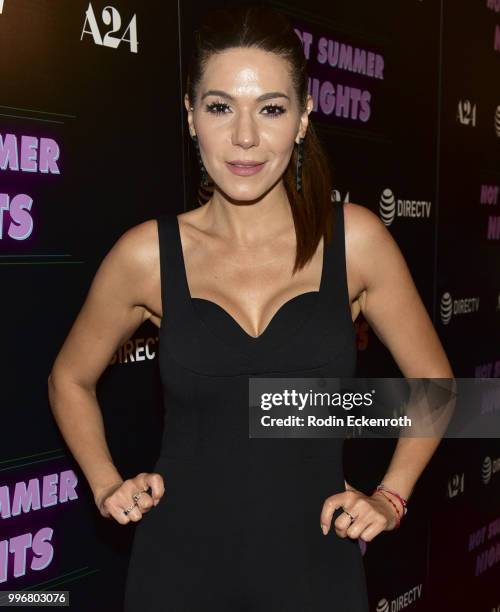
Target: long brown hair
[(262, 27)]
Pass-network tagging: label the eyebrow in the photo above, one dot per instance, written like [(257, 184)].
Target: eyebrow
[(266, 96)]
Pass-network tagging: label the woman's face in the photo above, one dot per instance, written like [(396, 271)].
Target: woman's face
[(234, 122)]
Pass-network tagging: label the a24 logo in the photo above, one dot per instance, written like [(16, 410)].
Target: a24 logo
[(466, 113), (109, 17)]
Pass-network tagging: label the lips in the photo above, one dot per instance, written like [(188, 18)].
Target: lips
[(244, 164), (245, 167)]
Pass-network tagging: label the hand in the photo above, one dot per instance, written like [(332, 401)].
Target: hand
[(373, 514), (113, 500)]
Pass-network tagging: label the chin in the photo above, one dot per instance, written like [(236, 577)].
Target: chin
[(242, 195)]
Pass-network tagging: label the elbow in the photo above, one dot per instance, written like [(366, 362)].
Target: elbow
[(50, 390), (50, 380)]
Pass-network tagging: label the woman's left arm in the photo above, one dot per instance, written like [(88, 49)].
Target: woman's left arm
[(394, 310)]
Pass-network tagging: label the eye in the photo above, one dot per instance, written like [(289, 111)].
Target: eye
[(215, 108), (219, 108), (277, 110)]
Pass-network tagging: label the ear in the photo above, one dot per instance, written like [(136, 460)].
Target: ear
[(304, 119), (187, 105)]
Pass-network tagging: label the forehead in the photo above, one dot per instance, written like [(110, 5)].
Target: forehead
[(247, 71)]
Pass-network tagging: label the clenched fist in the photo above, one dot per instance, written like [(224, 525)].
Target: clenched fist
[(135, 495), (363, 516)]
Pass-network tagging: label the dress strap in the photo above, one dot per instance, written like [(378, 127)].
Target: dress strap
[(174, 289)]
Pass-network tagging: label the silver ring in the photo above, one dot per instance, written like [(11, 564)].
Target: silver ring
[(353, 518), (136, 496), (128, 510)]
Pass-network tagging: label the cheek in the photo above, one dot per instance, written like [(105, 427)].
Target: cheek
[(279, 143), (280, 153), (211, 141), (278, 135)]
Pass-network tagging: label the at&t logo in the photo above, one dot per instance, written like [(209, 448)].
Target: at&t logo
[(110, 17), (488, 468), (383, 606), (390, 207), (446, 308)]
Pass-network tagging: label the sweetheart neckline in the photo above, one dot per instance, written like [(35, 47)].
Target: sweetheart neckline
[(266, 332), (275, 315)]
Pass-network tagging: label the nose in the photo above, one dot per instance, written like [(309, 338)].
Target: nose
[(245, 131)]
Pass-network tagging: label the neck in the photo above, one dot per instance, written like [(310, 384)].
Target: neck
[(250, 222)]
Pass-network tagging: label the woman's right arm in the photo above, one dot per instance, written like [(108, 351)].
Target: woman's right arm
[(125, 282)]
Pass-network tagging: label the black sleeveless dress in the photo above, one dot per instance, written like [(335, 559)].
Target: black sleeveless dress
[(238, 528)]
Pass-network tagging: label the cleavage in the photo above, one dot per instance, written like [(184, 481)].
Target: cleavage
[(304, 294), (293, 301)]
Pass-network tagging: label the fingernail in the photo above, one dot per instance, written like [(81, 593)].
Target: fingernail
[(324, 529)]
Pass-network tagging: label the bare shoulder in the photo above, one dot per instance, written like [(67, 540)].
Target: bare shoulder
[(141, 256), (369, 244), (135, 258), (139, 245), (362, 229), (361, 224)]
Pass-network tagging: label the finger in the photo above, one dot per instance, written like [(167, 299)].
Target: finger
[(115, 510), (138, 484), (135, 515), (371, 531), (127, 503), (145, 502), (369, 522), (343, 522), (360, 510), (155, 482), (123, 500), (331, 504), (362, 522), (142, 496)]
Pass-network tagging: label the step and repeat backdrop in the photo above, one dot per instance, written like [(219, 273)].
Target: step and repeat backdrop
[(93, 140)]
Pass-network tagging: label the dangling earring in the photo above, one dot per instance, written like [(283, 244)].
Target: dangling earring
[(298, 169), (204, 174)]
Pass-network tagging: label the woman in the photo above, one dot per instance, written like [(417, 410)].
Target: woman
[(265, 279)]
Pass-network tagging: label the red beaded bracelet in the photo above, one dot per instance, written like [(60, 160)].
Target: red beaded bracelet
[(402, 500), (398, 519)]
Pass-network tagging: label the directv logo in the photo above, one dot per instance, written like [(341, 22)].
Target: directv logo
[(400, 601), (390, 207), (459, 306)]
